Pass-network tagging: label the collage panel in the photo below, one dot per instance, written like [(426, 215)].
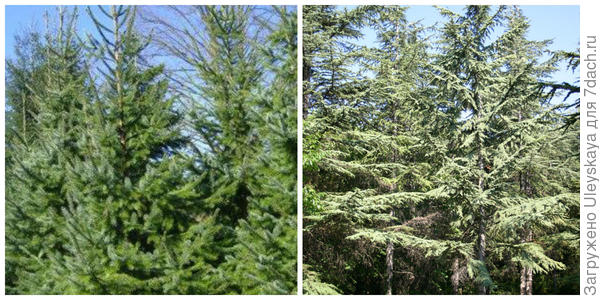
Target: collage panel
[(150, 150), (440, 150)]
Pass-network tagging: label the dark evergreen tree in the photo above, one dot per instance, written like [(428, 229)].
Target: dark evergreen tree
[(325, 55), (134, 224)]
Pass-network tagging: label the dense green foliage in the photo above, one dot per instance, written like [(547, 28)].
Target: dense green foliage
[(435, 161), (113, 187)]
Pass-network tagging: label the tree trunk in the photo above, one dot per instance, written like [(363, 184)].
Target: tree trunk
[(526, 273), (529, 288), (389, 251), (389, 264), (481, 250), (455, 278), (481, 240), (306, 70), (119, 86), (526, 281)]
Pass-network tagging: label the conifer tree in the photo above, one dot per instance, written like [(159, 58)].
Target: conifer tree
[(21, 72), (533, 132), (37, 187), (266, 258), (324, 30), (503, 103), (230, 71), (124, 215), (136, 197), (325, 53)]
